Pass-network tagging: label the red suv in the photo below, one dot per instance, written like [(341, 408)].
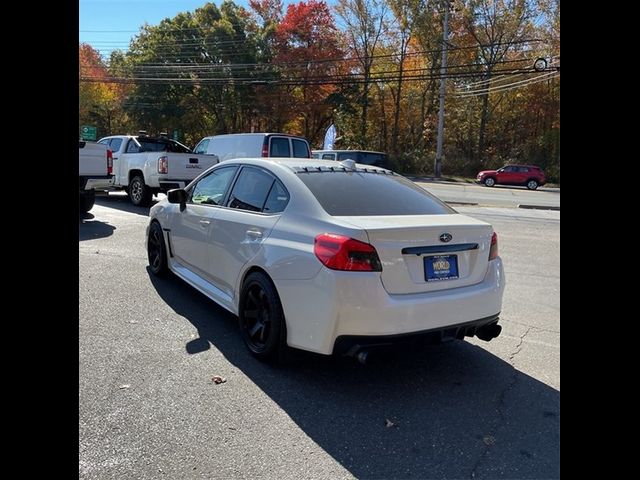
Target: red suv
[(529, 175)]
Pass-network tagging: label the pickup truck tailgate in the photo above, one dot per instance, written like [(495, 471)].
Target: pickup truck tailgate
[(92, 159), (187, 166)]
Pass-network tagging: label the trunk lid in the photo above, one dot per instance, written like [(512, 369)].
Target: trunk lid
[(416, 260)]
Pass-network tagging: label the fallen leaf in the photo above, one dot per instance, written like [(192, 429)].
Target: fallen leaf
[(218, 379), (388, 423)]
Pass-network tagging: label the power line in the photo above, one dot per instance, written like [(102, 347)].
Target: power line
[(335, 59), (510, 86), (313, 80)]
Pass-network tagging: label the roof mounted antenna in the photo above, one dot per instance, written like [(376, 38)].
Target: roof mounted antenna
[(348, 164)]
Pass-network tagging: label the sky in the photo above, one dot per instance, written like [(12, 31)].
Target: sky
[(110, 24)]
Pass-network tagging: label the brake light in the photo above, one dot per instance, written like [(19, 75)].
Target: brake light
[(265, 147), (163, 164), (109, 162), (339, 252), (493, 250)]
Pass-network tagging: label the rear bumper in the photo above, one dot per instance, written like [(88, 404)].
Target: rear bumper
[(321, 310), (352, 344), (95, 181)]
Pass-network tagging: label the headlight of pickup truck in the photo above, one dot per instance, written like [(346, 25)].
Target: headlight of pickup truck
[(163, 165)]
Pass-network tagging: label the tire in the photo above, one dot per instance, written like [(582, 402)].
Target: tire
[(532, 184), (262, 323), (489, 181), (139, 193), (157, 250), (87, 200)]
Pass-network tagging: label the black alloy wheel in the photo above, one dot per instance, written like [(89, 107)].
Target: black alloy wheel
[(261, 317), (156, 250)]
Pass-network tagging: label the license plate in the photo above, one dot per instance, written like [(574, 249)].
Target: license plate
[(440, 267)]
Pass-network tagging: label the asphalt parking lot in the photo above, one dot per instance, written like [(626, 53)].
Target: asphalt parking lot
[(150, 347)]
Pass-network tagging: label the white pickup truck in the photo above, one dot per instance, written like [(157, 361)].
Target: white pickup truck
[(94, 164), (144, 166)]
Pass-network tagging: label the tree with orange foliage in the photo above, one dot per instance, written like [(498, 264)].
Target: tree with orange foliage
[(308, 47)]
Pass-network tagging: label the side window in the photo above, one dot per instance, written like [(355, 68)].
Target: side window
[(524, 170), (372, 159), (315, 155), (328, 156), (116, 143), (348, 156), (509, 169), (210, 190), (300, 148), (251, 189), (104, 141), (280, 147), (277, 199), (202, 146), (132, 147)]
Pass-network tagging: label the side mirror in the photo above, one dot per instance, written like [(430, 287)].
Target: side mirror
[(178, 195)]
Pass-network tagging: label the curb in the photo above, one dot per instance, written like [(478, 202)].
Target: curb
[(461, 203), (539, 207)]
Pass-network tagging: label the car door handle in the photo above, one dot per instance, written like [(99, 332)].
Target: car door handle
[(254, 233), (204, 223)]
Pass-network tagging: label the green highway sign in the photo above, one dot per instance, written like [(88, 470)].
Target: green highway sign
[(88, 133)]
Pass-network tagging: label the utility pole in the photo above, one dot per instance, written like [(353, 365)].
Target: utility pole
[(437, 167)]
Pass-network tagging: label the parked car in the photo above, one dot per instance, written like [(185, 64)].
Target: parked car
[(239, 145), (329, 258), (529, 175), (364, 157)]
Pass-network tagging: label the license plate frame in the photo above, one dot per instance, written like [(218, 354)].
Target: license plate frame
[(438, 268)]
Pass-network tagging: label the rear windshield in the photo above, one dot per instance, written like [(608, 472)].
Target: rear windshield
[(150, 145), (343, 193)]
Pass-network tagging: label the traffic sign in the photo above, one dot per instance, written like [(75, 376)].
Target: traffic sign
[(88, 133)]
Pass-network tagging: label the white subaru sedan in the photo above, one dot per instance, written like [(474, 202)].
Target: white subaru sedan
[(334, 258)]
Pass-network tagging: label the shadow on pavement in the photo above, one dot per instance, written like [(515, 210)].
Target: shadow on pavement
[(122, 202), (457, 410), (91, 229)]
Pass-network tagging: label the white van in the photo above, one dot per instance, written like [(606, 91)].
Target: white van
[(251, 145)]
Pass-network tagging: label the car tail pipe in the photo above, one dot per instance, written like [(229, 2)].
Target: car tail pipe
[(488, 332)]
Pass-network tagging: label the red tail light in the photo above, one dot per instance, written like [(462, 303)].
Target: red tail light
[(493, 250), (338, 252), (163, 165), (109, 162), (265, 147)]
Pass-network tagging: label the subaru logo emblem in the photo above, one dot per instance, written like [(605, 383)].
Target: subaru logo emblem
[(445, 237)]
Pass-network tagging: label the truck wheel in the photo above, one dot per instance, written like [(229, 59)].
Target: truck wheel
[(139, 193), (87, 199)]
